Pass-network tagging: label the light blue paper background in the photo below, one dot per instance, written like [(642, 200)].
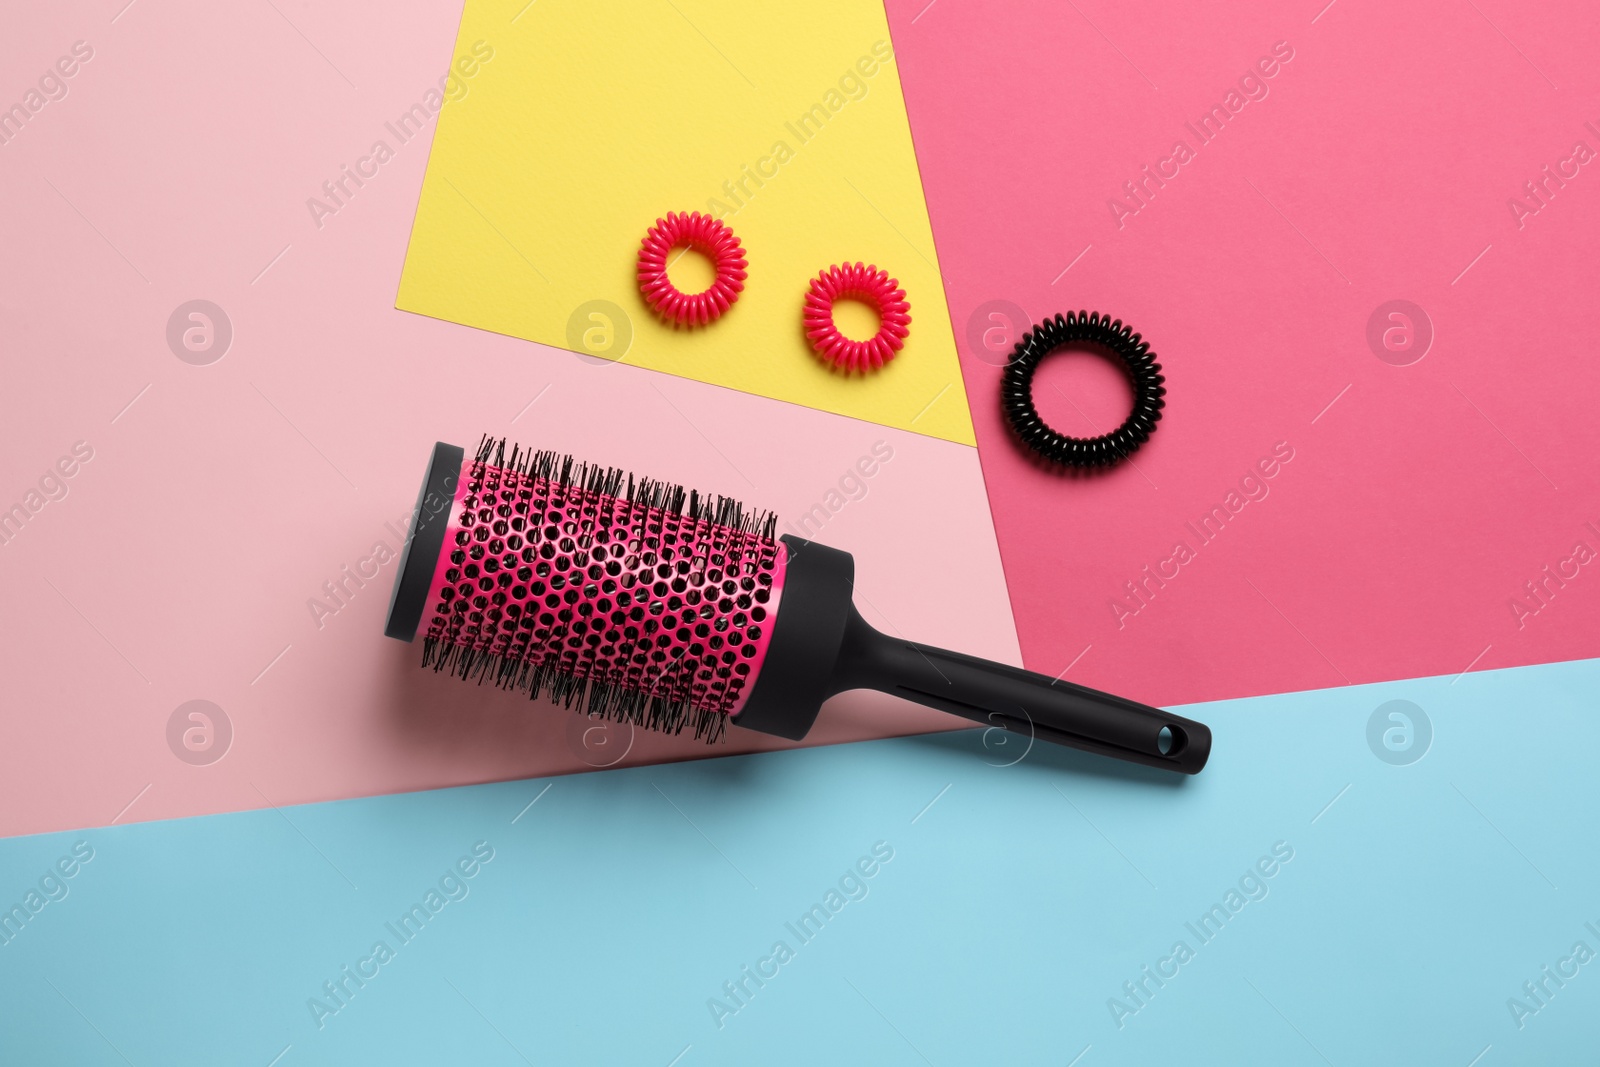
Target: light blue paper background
[(1019, 900)]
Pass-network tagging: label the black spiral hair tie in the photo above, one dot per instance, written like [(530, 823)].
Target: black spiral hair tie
[(1016, 390)]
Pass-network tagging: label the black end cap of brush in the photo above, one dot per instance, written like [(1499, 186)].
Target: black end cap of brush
[(420, 554), (796, 676)]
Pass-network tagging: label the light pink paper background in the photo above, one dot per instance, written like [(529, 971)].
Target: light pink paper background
[(220, 498), (1421, 498)]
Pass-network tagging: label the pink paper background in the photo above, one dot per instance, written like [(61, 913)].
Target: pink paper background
[(1378, 167), (220, 498)]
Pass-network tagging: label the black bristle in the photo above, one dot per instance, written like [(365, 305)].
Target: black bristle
[(603, 700), (563, 469)]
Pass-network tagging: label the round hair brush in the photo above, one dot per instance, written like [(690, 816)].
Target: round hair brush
[(644, 603)]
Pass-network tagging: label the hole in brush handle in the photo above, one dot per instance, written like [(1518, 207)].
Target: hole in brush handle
[(1180, 756)]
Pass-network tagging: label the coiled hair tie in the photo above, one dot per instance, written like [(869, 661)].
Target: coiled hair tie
[(711, 238), (876, 288), (1016, 390)]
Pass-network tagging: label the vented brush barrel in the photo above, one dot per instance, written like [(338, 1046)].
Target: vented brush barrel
[(651, 604), (647, 604)]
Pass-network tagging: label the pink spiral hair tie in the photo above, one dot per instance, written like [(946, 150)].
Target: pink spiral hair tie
[(706, 235), (866, 283)]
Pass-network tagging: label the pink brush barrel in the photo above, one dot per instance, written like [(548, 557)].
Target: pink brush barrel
[(563, 575)]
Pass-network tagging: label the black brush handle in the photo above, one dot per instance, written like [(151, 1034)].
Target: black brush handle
[(820, 646), (1017, 700)]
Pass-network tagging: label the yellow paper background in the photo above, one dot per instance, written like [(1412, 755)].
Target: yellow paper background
[(592, 119)]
